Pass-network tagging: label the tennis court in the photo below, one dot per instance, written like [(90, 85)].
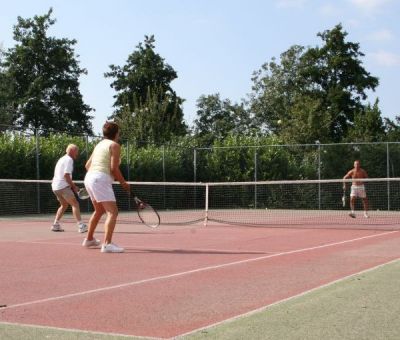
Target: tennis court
[(184, 276)]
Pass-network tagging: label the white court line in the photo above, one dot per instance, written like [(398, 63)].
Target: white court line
[(261, 309), (79, 331), (159, 278)]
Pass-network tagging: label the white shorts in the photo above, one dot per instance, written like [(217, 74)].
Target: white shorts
[(99, 187), (358, 191)]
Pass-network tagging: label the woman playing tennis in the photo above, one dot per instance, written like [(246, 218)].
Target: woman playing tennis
[(102, 168)]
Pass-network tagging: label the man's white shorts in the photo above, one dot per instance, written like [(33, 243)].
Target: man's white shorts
[(99, 187), (358, 191)]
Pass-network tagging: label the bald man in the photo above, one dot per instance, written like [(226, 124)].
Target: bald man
[(64, 189)]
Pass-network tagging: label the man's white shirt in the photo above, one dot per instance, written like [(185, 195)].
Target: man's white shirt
[(65, 165)]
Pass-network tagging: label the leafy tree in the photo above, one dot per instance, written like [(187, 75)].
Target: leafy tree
[(392, 129), (335, 74), (368, 125), (275, 87), (217, 118), (6, 107), (323, 86), (145, 101), (42, 76), (146, 122)]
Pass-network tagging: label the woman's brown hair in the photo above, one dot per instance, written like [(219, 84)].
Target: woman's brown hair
[(110, 130)]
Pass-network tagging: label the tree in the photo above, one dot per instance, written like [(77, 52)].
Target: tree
[(334, 73), (368, 125), (392, 129), (6, 109), (43, 75), (330, 78), (153, 121), (217, 118), (145, 100), (275, 87)]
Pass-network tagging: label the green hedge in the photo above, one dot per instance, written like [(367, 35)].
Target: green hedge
[(182, 160)]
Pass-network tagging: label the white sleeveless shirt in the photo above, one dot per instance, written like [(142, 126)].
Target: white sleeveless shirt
[(101, 157)]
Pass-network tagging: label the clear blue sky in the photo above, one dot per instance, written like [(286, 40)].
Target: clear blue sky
[(214, 45)]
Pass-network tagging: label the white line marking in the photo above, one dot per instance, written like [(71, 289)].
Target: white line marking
[(261, 309), (159, 278), (74, 330)]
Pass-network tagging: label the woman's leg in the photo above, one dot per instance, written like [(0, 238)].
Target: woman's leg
[(111, 220), (94, 219)]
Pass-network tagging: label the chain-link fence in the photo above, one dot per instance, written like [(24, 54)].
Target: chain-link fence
[(30, 155)]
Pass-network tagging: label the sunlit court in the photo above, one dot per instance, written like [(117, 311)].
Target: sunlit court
[(200, 267), (199, 170)]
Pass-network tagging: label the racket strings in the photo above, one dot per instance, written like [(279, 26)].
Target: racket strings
[(148, 215)]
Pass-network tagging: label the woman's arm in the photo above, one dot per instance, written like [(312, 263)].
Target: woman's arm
[(115, 149), (89, 163)]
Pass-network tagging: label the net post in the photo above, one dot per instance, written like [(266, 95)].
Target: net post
[(206, 207)]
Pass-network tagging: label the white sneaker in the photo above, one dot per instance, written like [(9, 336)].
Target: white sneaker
[(82, 228), (366, 215), (92, 243), (352, 215), (56, 227), (111, 248)]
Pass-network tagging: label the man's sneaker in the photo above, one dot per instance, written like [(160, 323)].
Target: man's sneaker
[(111, 248), (352, 215), (56, 227), (366, 215), (90, 243), (82, 228)]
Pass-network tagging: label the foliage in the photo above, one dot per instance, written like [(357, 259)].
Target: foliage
[(368, 125), (217, 118), (146, 106), (314, 93), (42, 77), (275, 87), (236, 158)]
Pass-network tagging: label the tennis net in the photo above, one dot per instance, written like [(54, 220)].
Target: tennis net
[(301, 203)]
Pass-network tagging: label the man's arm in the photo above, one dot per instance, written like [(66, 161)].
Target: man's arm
[(348, 175), (68, 179)]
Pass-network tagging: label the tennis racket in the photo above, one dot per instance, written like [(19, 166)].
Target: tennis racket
[(83, 194), (147, 214), (344, 197)]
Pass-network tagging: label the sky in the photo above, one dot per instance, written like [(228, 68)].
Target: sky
[(213, 45)]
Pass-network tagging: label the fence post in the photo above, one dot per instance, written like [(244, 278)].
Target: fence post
[(319, 173), (37, 168), (388, 175), (163, 175), (128, 161), (194, 165), (255, 178)]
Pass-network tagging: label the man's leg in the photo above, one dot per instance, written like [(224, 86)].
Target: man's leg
[(61, 210), (365, 203), (75, 208), (352, 204)]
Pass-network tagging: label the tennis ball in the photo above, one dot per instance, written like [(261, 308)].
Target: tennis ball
[(279, 122)]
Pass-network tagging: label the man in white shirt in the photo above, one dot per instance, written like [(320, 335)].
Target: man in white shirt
[(64, 188)]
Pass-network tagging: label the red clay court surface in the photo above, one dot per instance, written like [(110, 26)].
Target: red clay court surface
[(172, 280)]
